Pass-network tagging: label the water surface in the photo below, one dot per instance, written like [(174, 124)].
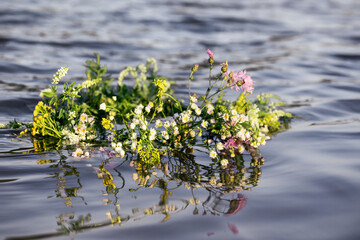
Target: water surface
[(306, 53)]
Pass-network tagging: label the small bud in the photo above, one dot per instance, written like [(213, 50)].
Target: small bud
[(211, 61), (195, 68), (225, 67), (231, 80), (210, 53), (240, 83)]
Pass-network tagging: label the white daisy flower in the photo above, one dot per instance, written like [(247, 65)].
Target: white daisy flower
[(152, 134), (212, 154), (176, 131), (158, 123), (219, 146), (167, 124), (224, 162), (198, 111), (165, 135), (185, 118), (204, 124)]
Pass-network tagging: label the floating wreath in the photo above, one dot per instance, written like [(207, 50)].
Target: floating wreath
[(147, 120)]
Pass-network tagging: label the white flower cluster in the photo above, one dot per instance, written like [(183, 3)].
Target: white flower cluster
[(210, 109), (124, 73), (59, 74), (118, 148), (138, 109), (78, 130), (70, 136), (152, 61), (233, 131)]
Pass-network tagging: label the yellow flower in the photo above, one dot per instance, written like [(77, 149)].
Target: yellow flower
[(162, 85), (38, 108), (33, 130), (23, 132), (107, 124)]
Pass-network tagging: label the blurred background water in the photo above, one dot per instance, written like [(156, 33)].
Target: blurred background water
[(304, 51)]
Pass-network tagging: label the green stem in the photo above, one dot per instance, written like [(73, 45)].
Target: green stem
[(190, 78), (168, 95), (155, 110), (208, 90), (217, 91), (210, 76), (53, 130)]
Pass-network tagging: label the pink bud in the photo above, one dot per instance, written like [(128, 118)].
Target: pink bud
[(210, 53)]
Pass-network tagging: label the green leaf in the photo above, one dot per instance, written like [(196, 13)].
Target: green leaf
[(52, 101)]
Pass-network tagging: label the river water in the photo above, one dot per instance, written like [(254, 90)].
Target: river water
[(307, 52)]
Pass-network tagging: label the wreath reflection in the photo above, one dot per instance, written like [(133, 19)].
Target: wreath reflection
[(176, 171)]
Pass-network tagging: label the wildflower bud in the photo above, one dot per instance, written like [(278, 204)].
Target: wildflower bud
[(195, 68), (240, 83), (210, 53), (225, 67), (211, 60), (231, 80)]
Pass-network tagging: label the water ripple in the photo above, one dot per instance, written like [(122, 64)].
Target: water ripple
[(306, 53)]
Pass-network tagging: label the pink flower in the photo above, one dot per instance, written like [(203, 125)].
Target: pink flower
[(230, 143), (240, 78), (210, 53), (248, 84)]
